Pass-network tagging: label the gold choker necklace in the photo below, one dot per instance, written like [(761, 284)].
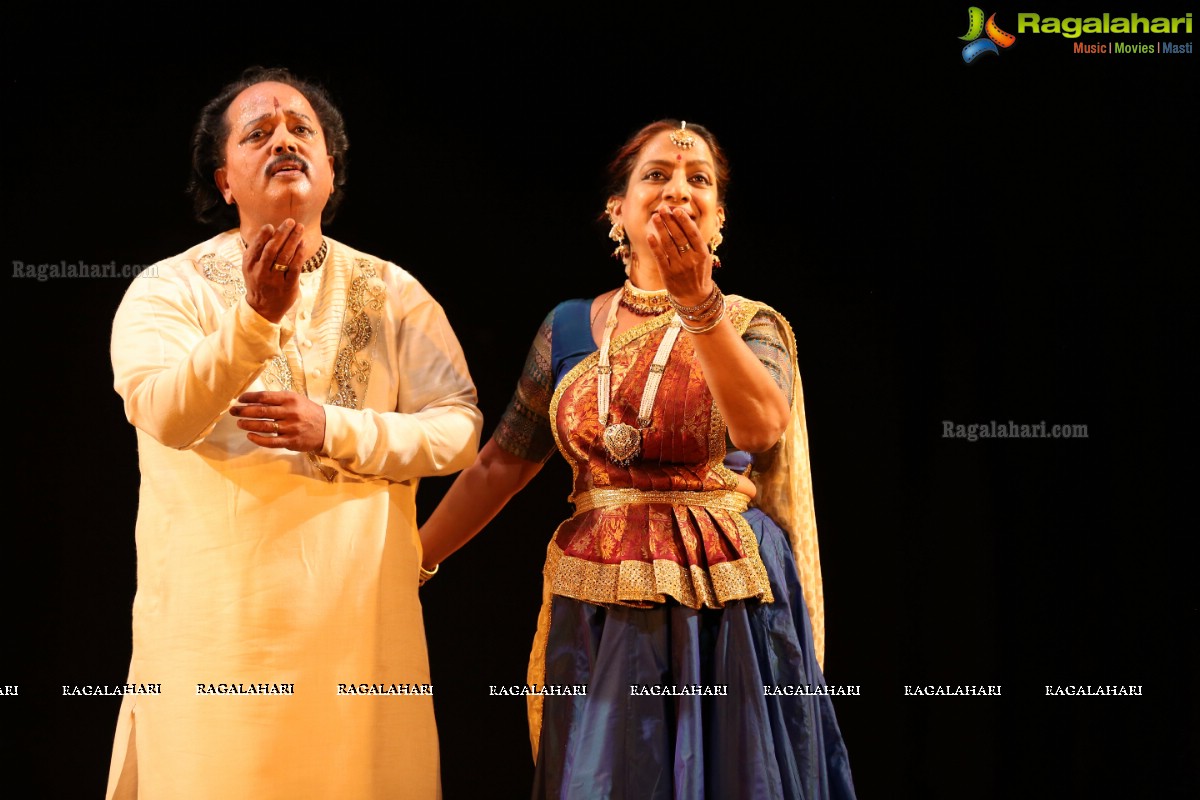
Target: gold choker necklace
[(644, 303), (318, 258), (313, 264)]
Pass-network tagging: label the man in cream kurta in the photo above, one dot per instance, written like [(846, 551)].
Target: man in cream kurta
[(288, 394)]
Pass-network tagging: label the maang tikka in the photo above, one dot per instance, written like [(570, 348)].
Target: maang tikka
[(681, 138)]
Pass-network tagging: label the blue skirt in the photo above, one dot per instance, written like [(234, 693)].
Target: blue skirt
[(621, 742)]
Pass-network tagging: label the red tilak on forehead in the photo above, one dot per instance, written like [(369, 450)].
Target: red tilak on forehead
[(679, 158), (276, 99)]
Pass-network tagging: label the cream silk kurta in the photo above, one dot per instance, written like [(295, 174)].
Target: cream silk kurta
[(274, 574)]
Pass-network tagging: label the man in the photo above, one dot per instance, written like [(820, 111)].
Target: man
[(288, 393)]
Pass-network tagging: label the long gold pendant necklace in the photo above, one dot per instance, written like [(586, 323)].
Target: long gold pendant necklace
[(623, 442)]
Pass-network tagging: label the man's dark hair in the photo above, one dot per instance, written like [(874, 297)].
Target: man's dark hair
[(212, 132)]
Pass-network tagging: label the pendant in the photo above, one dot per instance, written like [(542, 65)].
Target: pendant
[(623, 443)]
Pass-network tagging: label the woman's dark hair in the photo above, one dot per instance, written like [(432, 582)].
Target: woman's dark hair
[(621, 167), (212, 132)]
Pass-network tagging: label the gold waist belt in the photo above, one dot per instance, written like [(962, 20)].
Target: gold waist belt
[(600, 498)]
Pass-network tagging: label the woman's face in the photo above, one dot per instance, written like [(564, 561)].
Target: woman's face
[(667, 177)]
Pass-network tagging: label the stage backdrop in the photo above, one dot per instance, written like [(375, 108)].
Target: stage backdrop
[(982, 245)]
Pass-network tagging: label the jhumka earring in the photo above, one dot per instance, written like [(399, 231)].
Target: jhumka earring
[(716, 240), (617, 234)]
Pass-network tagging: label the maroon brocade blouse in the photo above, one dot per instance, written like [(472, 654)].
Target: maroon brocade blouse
[(669, 524)]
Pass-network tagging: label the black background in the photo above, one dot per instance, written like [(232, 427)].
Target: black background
[(1007, 240)]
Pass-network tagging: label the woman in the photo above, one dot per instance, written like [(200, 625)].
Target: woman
[(671, 583)]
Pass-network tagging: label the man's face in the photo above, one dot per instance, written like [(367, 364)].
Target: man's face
[(276, 165)]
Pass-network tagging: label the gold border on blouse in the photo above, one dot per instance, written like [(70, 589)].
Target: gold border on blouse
[(641, 584)]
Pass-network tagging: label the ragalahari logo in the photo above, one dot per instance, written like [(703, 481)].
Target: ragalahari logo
[(976, 27)]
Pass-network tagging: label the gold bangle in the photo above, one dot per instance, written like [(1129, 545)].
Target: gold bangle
[(697, 312), (426, 574), (702, 328)]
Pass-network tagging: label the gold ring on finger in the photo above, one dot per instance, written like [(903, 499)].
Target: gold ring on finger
[(280, 267)]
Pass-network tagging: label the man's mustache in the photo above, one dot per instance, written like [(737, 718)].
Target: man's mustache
[(286, 159)]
